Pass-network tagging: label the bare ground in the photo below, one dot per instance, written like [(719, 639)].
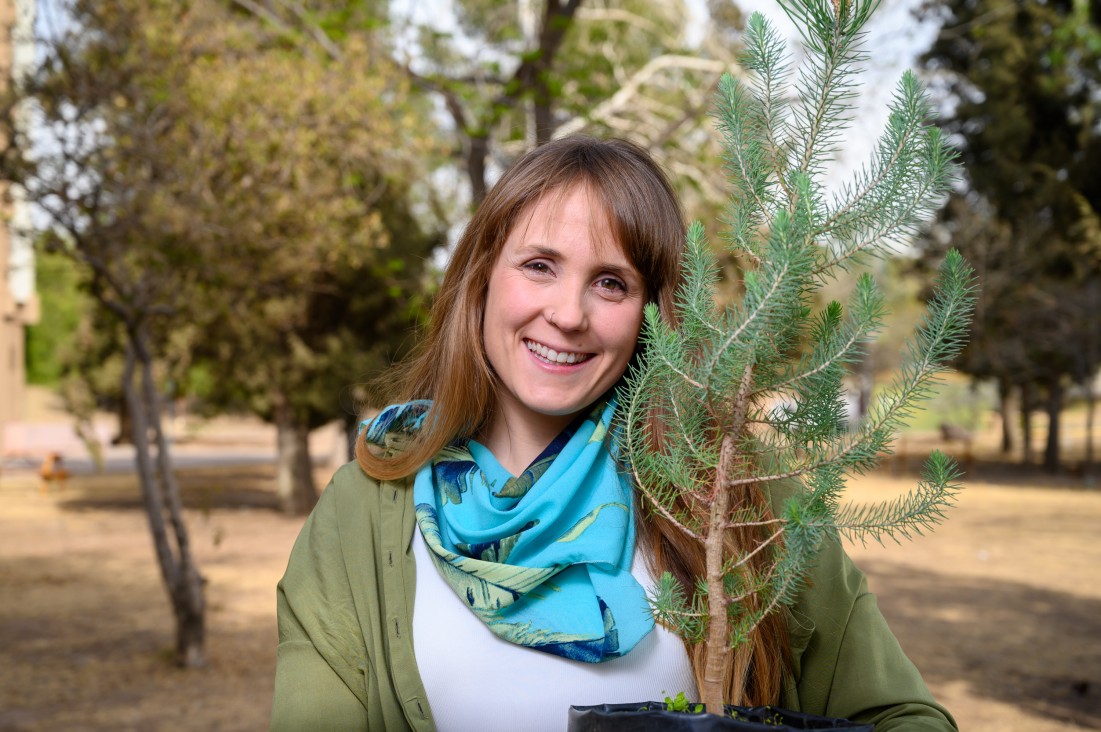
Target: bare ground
[(1000, 608)]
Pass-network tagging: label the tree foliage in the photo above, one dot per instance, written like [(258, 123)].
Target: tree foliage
[(506, 76), (750, 395), (516, 74), (1022, 81), (316, 262), (268, 195), (57, 284)]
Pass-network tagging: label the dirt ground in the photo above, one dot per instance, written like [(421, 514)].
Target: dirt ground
[(1000, 608)]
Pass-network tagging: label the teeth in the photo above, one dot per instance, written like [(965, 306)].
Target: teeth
[(552, 355)]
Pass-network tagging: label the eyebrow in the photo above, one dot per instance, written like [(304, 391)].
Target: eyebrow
[(542, 250)]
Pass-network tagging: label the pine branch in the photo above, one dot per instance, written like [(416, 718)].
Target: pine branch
[(824, 90), (671, 609), (744, 560), (695, 299), (743, 158), (908, 515), (905, 138), (765, 56), (838, 347)]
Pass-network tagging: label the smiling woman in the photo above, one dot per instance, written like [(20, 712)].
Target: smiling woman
[(487, 518)]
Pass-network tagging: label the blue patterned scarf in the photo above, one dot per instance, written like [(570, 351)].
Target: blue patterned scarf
[(544, 558)]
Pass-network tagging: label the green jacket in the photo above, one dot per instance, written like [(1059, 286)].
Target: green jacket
[(345, 659)]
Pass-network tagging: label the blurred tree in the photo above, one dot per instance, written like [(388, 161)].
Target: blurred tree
[(231, 201), (519, 73), (99, 102), (299, 200), (92, 364), (648, 72), (77, 348), (1022, 81)]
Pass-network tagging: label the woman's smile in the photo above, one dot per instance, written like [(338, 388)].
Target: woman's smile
[(551, 356)]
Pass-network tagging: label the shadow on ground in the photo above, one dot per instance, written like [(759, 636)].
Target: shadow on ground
[(994, 468), (86, 643), (202, 489), (1037, 649)]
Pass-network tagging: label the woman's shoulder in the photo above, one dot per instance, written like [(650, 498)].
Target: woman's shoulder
[(351, 491), (350, 477), (347, 520)]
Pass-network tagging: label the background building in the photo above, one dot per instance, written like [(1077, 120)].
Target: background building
[(18, 302)]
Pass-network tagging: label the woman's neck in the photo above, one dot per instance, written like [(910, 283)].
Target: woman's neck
[(517, 442)]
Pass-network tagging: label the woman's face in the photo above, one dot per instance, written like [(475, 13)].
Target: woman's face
[(562, 314)]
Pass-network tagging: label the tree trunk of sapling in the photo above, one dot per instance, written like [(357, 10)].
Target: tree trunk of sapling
[(717, 644)]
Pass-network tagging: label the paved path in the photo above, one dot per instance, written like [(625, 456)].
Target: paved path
[(218, 442)]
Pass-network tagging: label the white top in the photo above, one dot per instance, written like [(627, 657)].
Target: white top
[(477, 681)]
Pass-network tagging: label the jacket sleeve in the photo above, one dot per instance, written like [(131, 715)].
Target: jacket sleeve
[(852, 666), (321, 661)]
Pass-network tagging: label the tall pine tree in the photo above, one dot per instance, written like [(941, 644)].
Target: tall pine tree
[(1023, 82)]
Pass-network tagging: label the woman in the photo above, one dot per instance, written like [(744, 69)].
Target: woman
[(476, 569)]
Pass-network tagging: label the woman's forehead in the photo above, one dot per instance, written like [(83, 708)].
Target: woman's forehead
[(539, 217)]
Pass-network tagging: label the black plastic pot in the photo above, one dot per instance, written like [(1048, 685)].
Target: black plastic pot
[(653, 717)]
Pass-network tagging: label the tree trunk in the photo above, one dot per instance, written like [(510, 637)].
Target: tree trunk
[(866, 382), (477, 151), (1087, 463), (1054, 410), (717, 654), (163, 507), (294, 482), (529, 25), (1026, 422), (543, 111), (1005, 392), (558, 16), (1092, 346), (125, 423)]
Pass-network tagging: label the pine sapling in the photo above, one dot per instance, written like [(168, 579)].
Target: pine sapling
[(733, 400)]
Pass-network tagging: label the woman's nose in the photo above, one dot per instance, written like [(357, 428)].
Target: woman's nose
[(568, 311)]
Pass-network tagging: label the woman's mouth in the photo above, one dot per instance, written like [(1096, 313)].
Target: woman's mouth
[(549, 355)]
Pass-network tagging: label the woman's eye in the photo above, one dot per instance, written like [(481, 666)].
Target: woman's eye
[(539, 267), (611, 284)]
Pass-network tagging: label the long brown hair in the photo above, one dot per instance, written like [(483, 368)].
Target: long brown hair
[(451, 369)]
